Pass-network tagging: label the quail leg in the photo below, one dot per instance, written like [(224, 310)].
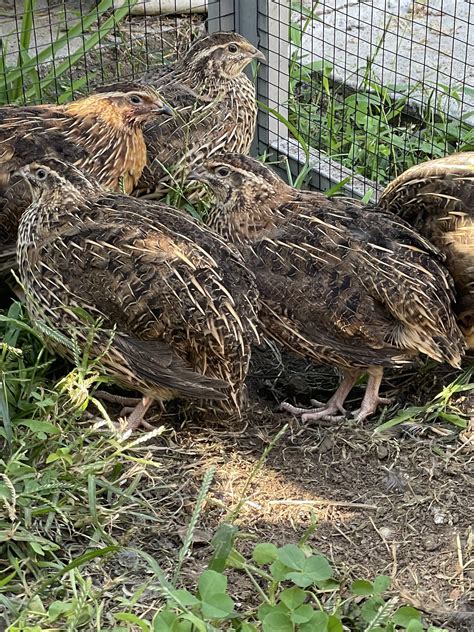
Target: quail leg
[(118, 399), (371, 397), (136, 417), (133, 412), (330, 410)]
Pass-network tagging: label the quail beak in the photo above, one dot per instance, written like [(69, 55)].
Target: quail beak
[(199, 174), (23, 172), (162, 108), (259, 56)]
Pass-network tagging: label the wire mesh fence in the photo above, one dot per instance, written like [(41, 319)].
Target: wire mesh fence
[(383, 85), (365, 88), (54, 49)]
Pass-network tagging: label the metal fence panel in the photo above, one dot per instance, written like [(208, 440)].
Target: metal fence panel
[(360, 90), (380, 85), (61, 48)]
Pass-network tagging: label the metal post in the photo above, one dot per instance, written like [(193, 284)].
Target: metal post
[(271, 37), (273, 24), (246, 20), (266, 23)]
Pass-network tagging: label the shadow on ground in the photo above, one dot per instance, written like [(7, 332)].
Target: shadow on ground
[(397, 504)]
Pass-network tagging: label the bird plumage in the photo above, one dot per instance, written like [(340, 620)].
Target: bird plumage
[(437, 199), (214, 109), (338, 284), (101, 134), (180, 302)]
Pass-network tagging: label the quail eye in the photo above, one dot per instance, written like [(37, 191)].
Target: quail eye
[(135, 99), (41, 174), (232, 48), (222, 172)]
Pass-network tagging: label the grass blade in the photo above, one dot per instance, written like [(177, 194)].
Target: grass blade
[(206, 484), (5, 412), (79, 561), (233, 514)]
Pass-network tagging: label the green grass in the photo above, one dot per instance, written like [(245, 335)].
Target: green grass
[(72, 498), (62, 482), (368, 129), (21, 81)]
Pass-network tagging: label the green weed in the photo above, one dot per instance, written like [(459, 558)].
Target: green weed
[(440, 408), (296, 591), (374, 130)]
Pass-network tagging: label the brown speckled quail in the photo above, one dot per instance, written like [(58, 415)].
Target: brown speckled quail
[(215, 109), (180, 301), (101, 134), (437, 199), (339, 284)]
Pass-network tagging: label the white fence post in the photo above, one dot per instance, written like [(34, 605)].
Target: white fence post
[(266, 23), (273, 25)]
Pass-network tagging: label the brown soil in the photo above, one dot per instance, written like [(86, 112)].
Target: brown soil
[(398, 503)]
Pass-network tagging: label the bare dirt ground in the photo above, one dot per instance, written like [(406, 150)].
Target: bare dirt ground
[(398, 504)]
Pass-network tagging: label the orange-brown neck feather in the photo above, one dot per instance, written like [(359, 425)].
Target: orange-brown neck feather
[(98, 107), (116, 143)]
